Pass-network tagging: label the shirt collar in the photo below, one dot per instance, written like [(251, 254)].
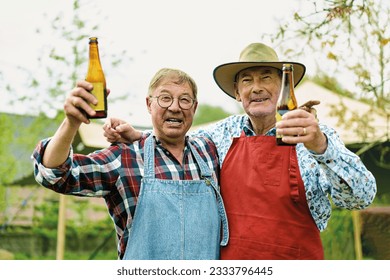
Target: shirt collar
[(158, 142), (248, 129)]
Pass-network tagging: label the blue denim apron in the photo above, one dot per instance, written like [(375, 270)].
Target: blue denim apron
[(177, 219)]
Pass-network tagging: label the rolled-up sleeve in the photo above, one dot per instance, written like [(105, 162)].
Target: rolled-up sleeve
[(85, 175)]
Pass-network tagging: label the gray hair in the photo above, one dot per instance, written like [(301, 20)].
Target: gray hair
[(179, 76)]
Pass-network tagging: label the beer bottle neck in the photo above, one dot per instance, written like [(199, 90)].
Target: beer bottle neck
[(93, 51)]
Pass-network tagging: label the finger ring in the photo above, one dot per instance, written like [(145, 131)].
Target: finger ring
[(304, 131)]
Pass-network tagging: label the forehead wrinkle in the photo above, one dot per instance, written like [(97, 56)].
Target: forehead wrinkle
[(169, 92), (261, 70)]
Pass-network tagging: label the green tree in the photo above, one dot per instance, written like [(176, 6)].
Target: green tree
[(207, 113), (63, 60), (353, 36), (7, 161), (60, 63)]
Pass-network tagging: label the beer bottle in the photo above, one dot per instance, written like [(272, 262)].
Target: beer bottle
[(95, 76), (286, 101)]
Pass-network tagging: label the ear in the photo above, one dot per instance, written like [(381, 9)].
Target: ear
[(148, 104), (195, 106), (236, 93)]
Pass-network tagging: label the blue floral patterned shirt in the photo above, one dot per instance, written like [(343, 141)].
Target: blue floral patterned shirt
[(337, 174)]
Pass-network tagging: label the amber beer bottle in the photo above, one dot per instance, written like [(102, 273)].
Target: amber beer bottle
[(286, 101), (95, 75)]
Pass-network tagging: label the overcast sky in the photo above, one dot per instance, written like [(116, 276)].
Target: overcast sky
[(194, 36)]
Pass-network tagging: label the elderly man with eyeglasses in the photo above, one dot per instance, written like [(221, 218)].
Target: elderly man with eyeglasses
[(161, 192)]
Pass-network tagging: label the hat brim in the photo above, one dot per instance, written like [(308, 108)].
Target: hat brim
[(224, 74)]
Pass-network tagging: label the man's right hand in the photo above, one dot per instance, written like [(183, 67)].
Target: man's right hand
[(77, 104), (117, 130)]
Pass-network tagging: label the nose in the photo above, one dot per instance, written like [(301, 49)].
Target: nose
[(175, 105), (257, 86)]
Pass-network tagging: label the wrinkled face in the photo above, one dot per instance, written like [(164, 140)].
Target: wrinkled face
[(171, 123), (258, 90)]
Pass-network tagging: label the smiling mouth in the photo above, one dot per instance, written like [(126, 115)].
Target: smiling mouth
[(173, 121), (260, 100)]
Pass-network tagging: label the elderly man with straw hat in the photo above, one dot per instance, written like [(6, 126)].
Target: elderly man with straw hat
[(277, 198)]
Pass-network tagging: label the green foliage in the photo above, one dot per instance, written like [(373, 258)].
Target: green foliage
[(46, 219), (349, 41), (207, 113), (63, 59), (331, 83), (382, 200), (360, 124), (20, 135), (69, 255), (61, 62), (352, 35), (338, 239), (83, 236), (42, 92), (7, 166), (3, 203)]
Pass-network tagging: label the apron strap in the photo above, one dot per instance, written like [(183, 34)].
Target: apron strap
[(149, 157), (204, 168), (207, 176)]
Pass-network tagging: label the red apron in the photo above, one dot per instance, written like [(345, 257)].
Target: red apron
[(266, 203)]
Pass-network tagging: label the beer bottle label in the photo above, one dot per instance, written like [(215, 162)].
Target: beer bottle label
[(279, 114), (98, 92)]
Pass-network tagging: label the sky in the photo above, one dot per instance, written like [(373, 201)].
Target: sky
[(194, 36)]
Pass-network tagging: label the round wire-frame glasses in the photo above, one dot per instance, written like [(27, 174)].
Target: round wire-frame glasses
[(165, 101)]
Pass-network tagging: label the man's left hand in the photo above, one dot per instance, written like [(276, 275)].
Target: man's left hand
[(301, 126)]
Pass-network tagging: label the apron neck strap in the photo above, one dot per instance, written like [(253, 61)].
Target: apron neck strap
[(149, 157), (204, 169)]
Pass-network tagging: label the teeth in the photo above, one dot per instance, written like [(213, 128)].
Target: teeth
[(173, 120)]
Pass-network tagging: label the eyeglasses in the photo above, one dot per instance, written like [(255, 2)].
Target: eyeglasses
[(165, 101)]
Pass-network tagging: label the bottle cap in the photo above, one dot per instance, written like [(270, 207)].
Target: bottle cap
[(93, 40), (287, 66)]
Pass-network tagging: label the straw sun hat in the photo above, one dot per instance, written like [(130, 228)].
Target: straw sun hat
[(256, 54)]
